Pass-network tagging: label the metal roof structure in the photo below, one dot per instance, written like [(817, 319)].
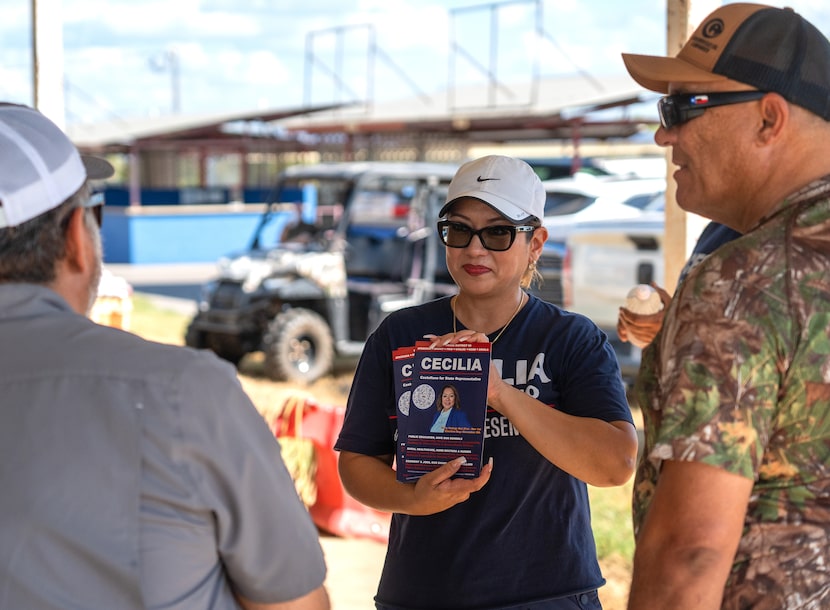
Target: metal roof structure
[(563, 108), (550, 109), (123, 134)]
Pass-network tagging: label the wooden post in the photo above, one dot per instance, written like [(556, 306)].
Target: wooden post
[(47, 59), (682, 229)]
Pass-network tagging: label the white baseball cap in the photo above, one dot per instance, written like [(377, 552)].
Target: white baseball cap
[(40, 167), (506, 184)]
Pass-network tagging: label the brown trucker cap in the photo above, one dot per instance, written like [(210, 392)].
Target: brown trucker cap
[(771, 49)]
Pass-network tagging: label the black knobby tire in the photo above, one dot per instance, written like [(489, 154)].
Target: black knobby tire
[(223, 348), (194, 338), (298, 347)]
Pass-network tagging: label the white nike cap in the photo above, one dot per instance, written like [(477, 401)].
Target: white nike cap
[(506, 184)]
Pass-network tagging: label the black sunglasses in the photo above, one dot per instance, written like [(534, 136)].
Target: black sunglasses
[(497, 238), (677, 109), (94, 204)]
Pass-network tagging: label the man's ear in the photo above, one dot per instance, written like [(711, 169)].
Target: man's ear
[(75, 268), (775, 115), (77, 242)]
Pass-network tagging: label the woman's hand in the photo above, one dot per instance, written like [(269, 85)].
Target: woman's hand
[(462, 336), (495, 383), (437, 491), (372, 481)]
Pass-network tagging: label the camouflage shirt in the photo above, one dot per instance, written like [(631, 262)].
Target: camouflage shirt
[(739, 378)]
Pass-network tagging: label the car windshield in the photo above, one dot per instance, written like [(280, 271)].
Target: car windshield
[(303, 209), (382, 201), (306, 208), (562, 167), (642, 201), (559, 203), (320, 200), (656, 204)]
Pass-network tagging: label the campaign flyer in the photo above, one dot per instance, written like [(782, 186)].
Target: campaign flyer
[(402, 359), (447, 409)]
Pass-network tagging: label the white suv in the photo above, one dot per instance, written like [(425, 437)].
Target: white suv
[(585, 197)]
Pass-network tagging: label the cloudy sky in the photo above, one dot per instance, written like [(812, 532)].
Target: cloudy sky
[(128, 58)]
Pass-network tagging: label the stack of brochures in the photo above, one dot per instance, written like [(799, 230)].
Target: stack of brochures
[(441, 398)]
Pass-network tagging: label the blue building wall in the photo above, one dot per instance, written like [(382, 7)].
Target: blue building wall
[(178, 234), (120, 195)]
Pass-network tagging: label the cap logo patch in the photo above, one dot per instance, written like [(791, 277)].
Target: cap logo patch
[(713, 28), (480, 179)]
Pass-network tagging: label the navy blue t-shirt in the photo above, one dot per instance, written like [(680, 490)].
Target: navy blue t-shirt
[(713, 236), (526, 536)]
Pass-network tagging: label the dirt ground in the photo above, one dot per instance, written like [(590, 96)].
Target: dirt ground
[(355, 564), (354, 569)]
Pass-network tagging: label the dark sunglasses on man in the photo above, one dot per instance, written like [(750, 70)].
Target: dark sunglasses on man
[(95, 204), (677, 109), (497, 237)]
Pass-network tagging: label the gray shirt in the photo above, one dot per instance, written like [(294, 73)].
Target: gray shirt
[(135, 474)]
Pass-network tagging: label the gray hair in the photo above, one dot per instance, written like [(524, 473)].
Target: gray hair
[(30, 251)]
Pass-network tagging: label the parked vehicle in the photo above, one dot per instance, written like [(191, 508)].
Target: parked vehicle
[(361, 243), (584, 198), (549, 168), (604, 260)]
